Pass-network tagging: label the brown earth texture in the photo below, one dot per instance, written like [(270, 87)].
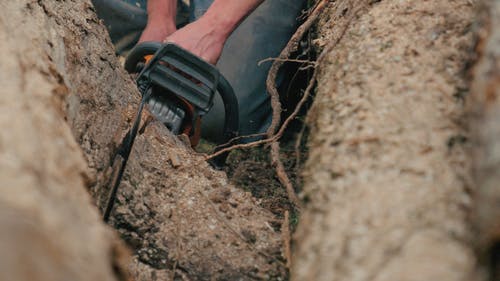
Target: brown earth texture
[(398, 175)]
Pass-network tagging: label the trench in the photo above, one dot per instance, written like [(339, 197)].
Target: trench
[(249, 170), (388, 201), (252, 171)]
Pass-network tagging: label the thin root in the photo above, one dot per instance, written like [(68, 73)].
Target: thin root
[(291, 47), (313, 63), (282, 175), (285, 234), (272, 135)]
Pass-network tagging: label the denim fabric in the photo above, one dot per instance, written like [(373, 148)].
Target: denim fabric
[(138, 3), (124, 20), (197, 8), (263, 34)]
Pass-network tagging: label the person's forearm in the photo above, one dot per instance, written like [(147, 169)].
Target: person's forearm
[(226, 15), (162, 12), (161, 20)]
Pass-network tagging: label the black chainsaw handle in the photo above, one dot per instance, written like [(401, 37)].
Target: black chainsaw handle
[(226, 92)]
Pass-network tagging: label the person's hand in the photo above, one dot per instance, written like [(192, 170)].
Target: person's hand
[(201, 38), (206, 36)]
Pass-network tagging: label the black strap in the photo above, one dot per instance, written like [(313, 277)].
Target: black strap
[(121, 157)]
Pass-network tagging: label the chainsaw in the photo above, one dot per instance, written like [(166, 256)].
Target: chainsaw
[(178, 88)]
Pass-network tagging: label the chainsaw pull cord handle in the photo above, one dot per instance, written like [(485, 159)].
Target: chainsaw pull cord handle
[(224, 89)]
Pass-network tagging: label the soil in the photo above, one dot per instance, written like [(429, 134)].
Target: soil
[(192, 220), (387, 183), (251, 170)]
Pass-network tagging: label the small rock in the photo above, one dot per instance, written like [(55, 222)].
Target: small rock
[(174, 159)]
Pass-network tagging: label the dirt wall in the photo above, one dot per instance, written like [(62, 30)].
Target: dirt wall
[(387, 180), (49, 229), (66, 105), (484, 119)]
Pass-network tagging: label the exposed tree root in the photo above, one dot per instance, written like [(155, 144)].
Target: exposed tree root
[(313, 63), (285, 233), (272, 135), (298, 142), (282, 175), (275, 99), (283, 57)]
